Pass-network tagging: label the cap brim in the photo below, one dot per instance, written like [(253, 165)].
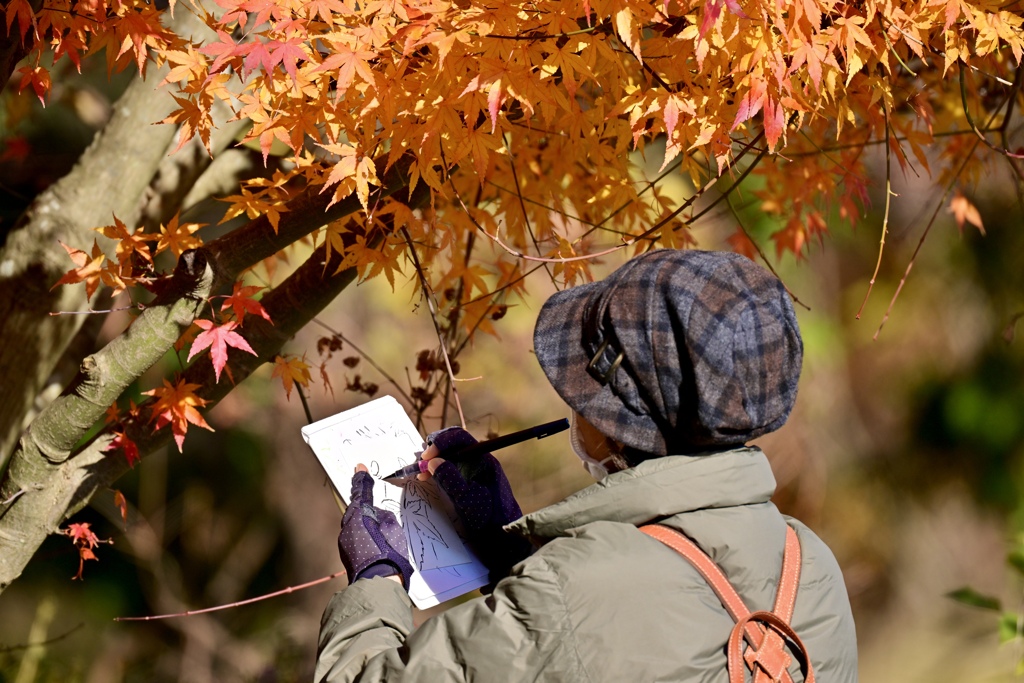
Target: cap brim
[(558, 343)]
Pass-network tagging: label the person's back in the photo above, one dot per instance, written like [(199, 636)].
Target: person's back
[(670, 365), (601, 601)]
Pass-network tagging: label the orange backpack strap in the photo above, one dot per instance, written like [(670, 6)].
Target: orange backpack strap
[(766, 655)]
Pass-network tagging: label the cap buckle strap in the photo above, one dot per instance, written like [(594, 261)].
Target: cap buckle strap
[(606, 376)]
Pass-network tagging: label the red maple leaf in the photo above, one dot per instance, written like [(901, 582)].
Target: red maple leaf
[(225, 49), (176, 405), (122, 504), (131, 450), (241, 302), (85, 540), (218, 338)]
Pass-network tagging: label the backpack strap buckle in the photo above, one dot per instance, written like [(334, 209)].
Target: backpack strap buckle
[(765, 632)]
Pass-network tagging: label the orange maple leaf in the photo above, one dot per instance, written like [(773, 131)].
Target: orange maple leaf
[(85, 539), (292, 372), (89, 270), (178, 238), (128, 242), (241, 302), (218, 338), (741, 244), (122, 504), (176, 405), (965, 212)]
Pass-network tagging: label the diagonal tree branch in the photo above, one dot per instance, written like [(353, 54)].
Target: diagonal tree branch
[(257, 240), (12, 48), (27, 519), (46, 486), (111, 177)]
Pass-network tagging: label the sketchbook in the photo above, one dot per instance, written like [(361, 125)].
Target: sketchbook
[(380, 435)]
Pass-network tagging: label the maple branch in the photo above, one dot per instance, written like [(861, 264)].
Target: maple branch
[(367, 357), (432, 307), (885, 216), (239, 603), (924, 235), (179, 172), (760, 252), (13, 48), (69, 482), (311, 209), (50, 440), (974, 127), (111, 176)]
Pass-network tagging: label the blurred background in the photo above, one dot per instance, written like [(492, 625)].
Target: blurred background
[(904, 452)]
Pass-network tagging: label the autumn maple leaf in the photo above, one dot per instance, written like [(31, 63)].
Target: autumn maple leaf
[(131, 450), (292, 372), (89, 269), (85, 539), (965, 212), (178, 238), (176, 405), (241, 302), (128, 242), (218, 338)]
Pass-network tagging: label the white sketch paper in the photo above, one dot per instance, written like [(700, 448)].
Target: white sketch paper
[(380, 435)]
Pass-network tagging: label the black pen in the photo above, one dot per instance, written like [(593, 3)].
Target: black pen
[(538, 432)]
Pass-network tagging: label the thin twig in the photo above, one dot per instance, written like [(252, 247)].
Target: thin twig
[(970, 120), (240, 603), (743, 174), (91, 311), (939, 53), (367, 357), (924, 235), (20, 492), (305, 404), (432, 307), (885, 216), (888, 43), (927, 229), (49, 641), (522, 207), (851, 145), (761, 253)]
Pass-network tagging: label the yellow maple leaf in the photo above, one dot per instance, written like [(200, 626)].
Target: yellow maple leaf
[(292, 371), (178, 238)]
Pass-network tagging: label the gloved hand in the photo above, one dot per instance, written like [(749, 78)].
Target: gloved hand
[(483, 499), (372, 543)]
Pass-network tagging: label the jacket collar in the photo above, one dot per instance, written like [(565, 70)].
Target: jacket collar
[(658, 488)]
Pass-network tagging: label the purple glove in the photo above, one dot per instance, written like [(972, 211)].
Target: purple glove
[(483, 499), (372, 543)]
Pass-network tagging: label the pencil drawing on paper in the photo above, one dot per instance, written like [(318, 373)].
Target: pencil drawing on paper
[(381, 436)]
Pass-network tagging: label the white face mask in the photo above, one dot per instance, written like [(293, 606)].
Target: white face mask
[(596, 468)]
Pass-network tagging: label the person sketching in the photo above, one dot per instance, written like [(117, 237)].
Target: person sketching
[(670, 366)]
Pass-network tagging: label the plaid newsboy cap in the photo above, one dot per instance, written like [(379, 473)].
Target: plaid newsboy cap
[(675, 352)]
